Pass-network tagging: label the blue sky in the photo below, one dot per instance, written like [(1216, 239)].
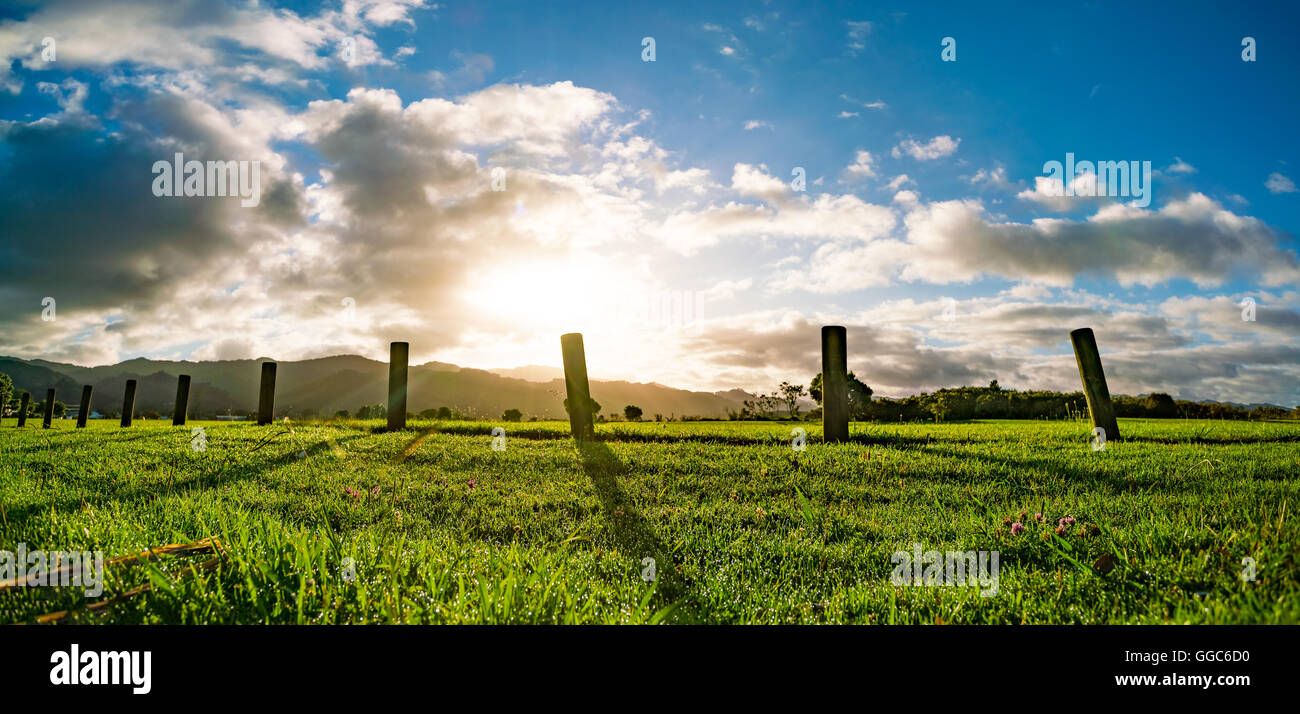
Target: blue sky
[(632, 183)]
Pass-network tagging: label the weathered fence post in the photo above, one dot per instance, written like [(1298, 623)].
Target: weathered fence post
[(84, 411), (835, 384), (49, 409), (128, 403), (398, 354), (1094, 382), (266, 395), (182, 400), (22, 409), (576, 386)]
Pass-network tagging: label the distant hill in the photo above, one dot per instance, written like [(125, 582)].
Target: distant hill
[(531, 373), (321, 387)]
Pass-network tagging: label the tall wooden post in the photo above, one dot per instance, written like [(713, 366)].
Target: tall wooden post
[(128, 403), (576, 386), (266, 395), (835, 384), (49, 409), (1094, 382), (84, 410), (22, 409), (398, 354), (182, 400)]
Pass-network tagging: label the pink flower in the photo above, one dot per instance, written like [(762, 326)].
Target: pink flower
[(1038, 517), (473, 483), (1017, 528), (1067, 521), (375, 490)]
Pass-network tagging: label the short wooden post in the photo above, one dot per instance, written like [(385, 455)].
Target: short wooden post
[(576, 386), (835, 384), (266, 395), (398, 354), (182, 400), (49, 409), (22, 409), (84, 412), (128, 403), (1094, 382)]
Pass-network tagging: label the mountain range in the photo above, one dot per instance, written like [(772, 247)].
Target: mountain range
[(321, 387)]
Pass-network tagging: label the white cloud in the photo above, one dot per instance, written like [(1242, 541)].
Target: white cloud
[(1194, 238), (1277, 183), (861, 166), (1050, 192), (858, 31), (899, 181), (995, 178), (938, 147), (749, 180)]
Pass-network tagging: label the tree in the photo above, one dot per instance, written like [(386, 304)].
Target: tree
[(859, 394), (1161, 406), (6, 389), (512, 415), (372, 411), (760, 407), (790, 394), (595, 407), (444, 412), (632, 412)]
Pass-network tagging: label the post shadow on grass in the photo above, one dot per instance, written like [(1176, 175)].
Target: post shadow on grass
[(82, 497), (631, 532)]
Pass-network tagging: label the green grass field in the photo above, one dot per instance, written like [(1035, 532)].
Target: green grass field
[(743, 528)]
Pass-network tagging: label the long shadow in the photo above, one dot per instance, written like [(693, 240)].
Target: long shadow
[(629, 528), (1076, 474), (204, 479), (1213, 440), (534, 434)]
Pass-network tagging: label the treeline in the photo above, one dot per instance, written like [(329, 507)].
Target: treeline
[(994, 402)]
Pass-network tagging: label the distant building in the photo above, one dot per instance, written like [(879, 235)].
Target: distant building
[(72, 412)]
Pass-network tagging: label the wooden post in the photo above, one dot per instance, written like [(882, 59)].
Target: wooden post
[(398, 354), (1094, 382), (22, 409), (49, 409), (266, 395), (84, 412), (182, 400), (835, 384), (576, 386), (128, 403)]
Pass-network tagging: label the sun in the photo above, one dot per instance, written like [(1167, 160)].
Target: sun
[(546, 296)]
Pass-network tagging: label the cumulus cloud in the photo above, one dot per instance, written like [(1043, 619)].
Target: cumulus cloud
[(1194, 238), (861, 166), (195, 34)]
